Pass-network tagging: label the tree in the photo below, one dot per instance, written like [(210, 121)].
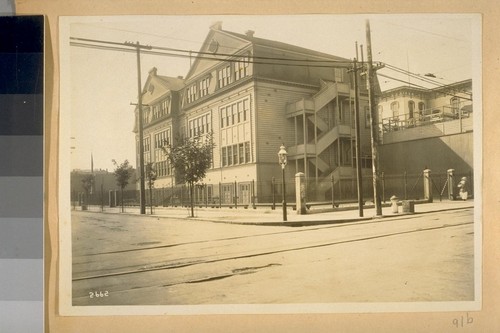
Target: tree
[(87, 184), (190, 159), (122, 173), (150, 177)]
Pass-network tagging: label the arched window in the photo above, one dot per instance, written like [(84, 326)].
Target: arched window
[(455, 105), (411, 109), (421, 109), (395, 109)]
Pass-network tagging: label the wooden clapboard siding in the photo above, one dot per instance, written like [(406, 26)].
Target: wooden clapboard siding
[(273, 128)]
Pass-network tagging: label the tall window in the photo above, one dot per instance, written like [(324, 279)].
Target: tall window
[(147, 144), (191, 93), (224, 76), (235, 113), (200, 125), (241, 68), (395, 109), (421, 108), (229, 155), (204, 84), (162, 139), (236, 154), (146, 116), (411, 109), (156, 111), (164, 107), (455, 105), (339, 75), (147, 148), (224, 156)]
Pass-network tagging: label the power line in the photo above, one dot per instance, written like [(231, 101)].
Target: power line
[(109, 48), (118, 46), (428, 32), (190, 52), (419, 77), (419, 86), (416, 76)]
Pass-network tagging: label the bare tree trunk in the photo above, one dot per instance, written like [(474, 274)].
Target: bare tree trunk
[(191, 194), (122, 198)]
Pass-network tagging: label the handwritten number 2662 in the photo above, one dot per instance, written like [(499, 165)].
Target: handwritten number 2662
[(98, 294)]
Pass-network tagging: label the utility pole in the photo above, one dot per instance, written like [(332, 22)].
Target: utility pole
[(357, 134), (373, 122), (138, 48)]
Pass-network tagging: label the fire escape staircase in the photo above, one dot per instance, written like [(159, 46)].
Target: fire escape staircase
[(327, 135)]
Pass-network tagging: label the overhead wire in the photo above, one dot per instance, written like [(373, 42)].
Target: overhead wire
[(424, 79), (110, 48), (124, 47), (336, 61), (419, 86)]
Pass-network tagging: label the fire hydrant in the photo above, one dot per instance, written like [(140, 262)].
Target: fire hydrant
[(394, 202), (463, 186)]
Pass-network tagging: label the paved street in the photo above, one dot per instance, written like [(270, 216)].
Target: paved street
[(129, 259)]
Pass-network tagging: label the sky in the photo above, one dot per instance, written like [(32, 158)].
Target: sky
[(98, 86)]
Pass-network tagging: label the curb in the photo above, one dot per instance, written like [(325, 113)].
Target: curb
[(293, 223)]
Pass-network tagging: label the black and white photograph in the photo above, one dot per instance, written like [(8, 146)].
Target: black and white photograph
[(226, 164)]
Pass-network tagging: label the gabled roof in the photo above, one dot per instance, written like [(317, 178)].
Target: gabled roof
[(157, 86), (218, 43), (234, 42), (173, 83), (280, 45)]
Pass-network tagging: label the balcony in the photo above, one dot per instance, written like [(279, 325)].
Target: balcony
[(298, 151), (431, 123), (305, 105), (328, 92)]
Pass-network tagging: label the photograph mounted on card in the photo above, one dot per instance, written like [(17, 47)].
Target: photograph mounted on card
[(242, 164)]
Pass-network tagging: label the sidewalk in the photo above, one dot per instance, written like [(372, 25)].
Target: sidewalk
[(267, 216)]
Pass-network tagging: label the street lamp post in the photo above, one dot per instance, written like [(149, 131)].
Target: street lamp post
[(282, 161)]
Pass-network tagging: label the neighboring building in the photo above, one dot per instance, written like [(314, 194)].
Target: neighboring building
[(255, 95), (161, 122), (430, 128), (104, 182), (406, 107)]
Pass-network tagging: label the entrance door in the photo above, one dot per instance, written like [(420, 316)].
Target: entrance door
[(245, 194), (227, 194)]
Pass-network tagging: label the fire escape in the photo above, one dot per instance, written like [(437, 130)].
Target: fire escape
[(323, 137)]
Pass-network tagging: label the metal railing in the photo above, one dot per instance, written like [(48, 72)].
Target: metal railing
[(268, 193), (422, 118)]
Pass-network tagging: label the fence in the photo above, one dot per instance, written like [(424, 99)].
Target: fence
[(269, 192)]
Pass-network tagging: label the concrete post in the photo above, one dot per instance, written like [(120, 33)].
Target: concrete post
[(451, 184), (300, 193), (427, 185)]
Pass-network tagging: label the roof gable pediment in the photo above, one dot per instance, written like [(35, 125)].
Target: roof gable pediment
[(218, 46), (157, 87)]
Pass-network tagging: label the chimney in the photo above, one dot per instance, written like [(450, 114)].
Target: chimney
[(249, 33), (216, 26), (153, 71)]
